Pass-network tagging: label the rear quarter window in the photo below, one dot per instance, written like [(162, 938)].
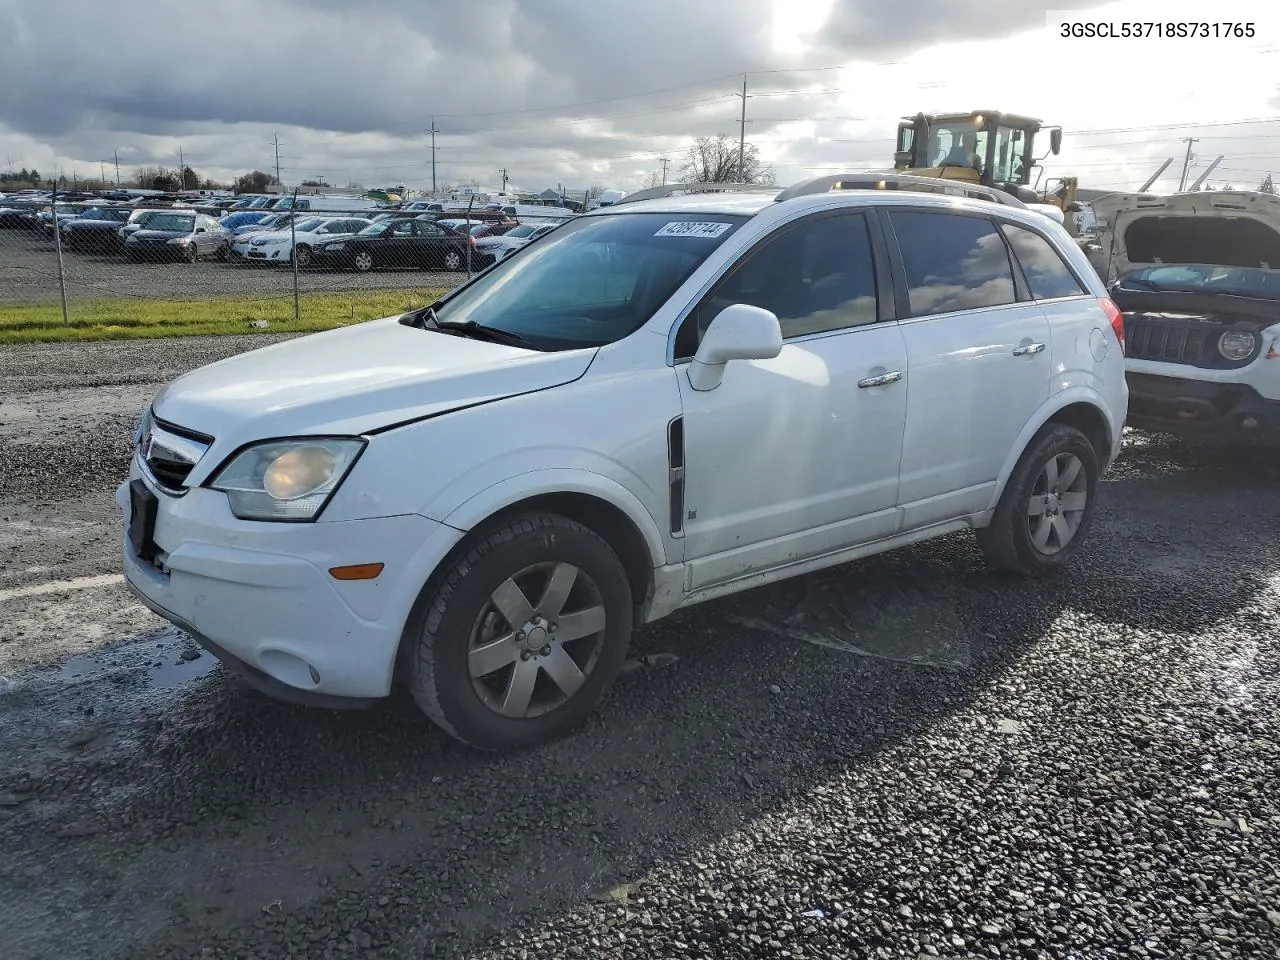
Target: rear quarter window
[(952, 262), (1047, 274)]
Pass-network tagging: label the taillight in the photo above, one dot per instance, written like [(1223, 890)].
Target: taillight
[(1115, 316)]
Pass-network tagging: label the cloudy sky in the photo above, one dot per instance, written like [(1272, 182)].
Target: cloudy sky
[(585, 92)]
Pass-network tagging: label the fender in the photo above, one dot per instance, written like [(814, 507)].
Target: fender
[(535, 483), (1059, 401)]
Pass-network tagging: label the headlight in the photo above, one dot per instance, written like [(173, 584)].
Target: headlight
[(180, 241), (1237, 344), (286, 479), (131, 239), (261, 241)]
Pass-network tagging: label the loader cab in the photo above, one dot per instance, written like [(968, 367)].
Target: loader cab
[(985, 146)]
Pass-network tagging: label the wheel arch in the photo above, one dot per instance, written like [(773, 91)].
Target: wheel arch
[(598, 502), (632, 539), (1080, 408)]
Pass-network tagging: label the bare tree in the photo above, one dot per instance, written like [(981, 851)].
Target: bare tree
[(652, 179), (715, 160)]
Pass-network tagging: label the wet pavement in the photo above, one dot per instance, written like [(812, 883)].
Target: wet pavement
[(905, 756)]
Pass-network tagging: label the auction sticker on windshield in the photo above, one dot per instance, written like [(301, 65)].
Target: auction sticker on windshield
[(689, 228)]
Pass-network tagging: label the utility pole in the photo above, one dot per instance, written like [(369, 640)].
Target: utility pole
[(276, 141), (1186, 163), (102, 172), (742, 133), (116, 155), (664, 161), (504, 179), (433, 156), (182, 171)]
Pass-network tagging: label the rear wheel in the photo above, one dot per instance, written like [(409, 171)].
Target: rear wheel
[(363, 261), (516, 642), (1047, 506), (453, 260)]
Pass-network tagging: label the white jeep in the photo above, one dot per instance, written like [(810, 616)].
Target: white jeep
[(1198, 278)]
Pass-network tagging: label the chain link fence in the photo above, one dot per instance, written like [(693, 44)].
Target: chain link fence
[(75, 266)]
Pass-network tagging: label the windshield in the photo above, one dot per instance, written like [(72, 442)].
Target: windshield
[(521, 231), (596, 281), (1207, 278), (171, 221), (306, 226), (957, 143)]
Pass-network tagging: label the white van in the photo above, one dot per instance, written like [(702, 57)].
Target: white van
[(322, 204)]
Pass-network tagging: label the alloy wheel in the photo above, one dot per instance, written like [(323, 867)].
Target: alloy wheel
[(528, 657), (1057, 505)]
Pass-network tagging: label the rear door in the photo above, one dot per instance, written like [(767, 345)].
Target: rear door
[(978, 360)]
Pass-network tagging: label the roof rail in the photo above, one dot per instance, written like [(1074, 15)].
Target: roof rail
[(872, 181), (672, 189)]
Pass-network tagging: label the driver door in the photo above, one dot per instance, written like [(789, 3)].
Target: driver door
[(796, 456)]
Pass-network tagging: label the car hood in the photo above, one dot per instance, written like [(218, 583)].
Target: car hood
[(1225, 228), (82, 224), (355, 380)]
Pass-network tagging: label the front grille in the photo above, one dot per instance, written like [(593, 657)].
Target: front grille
[(170, 452), (1169, 341), (1192, 341)]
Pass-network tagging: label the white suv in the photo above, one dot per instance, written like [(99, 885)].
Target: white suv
[(665, 402)]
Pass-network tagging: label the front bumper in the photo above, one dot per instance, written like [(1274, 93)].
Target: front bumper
[(259, 596), (1202, 409)]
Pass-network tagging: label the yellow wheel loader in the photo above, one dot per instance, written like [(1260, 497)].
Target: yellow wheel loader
[(986, 147)]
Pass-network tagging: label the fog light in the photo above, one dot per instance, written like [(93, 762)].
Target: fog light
[(1249, 422)]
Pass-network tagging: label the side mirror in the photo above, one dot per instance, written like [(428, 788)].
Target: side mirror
[(201, 230), (1055, 140), (739, 332)]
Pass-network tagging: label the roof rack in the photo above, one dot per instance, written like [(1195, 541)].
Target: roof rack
[(672, 189), (871, 181)]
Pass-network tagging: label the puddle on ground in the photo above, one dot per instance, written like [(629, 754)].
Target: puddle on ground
[(904, 624), (159, 659)]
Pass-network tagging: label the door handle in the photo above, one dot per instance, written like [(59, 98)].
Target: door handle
[(881, 380), (1027, 349)]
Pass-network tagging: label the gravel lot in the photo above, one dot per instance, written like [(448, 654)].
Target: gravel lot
[(906, 756), (29, 274)]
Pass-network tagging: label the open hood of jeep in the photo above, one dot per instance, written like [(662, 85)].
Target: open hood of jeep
[(1224, 228)]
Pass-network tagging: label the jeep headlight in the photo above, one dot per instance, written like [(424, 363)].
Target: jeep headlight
[(286, 479), (1237, 344)]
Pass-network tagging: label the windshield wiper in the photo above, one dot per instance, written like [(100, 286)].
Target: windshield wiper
[(1144, 284), (472, 329)]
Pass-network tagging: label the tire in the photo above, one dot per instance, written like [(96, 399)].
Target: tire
[(1023, 541), (502, 708), (453, 260), (363, 261), (192, 254), (224, 253), (303, 254)]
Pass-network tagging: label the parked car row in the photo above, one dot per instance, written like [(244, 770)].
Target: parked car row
[(365, 240)]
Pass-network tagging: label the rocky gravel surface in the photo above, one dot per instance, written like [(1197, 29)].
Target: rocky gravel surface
[(908, 756)]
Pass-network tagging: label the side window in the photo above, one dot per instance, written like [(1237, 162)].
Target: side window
[(952, 262), (1046, 273), (403, 228), (816, 276), (428, 230)]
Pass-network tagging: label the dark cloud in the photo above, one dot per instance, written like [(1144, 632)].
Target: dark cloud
[(557, 89)]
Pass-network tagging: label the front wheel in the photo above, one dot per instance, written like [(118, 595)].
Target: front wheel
[(517, 640), (303, 255), (363, 261), (453, 260), (1047, 506)]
